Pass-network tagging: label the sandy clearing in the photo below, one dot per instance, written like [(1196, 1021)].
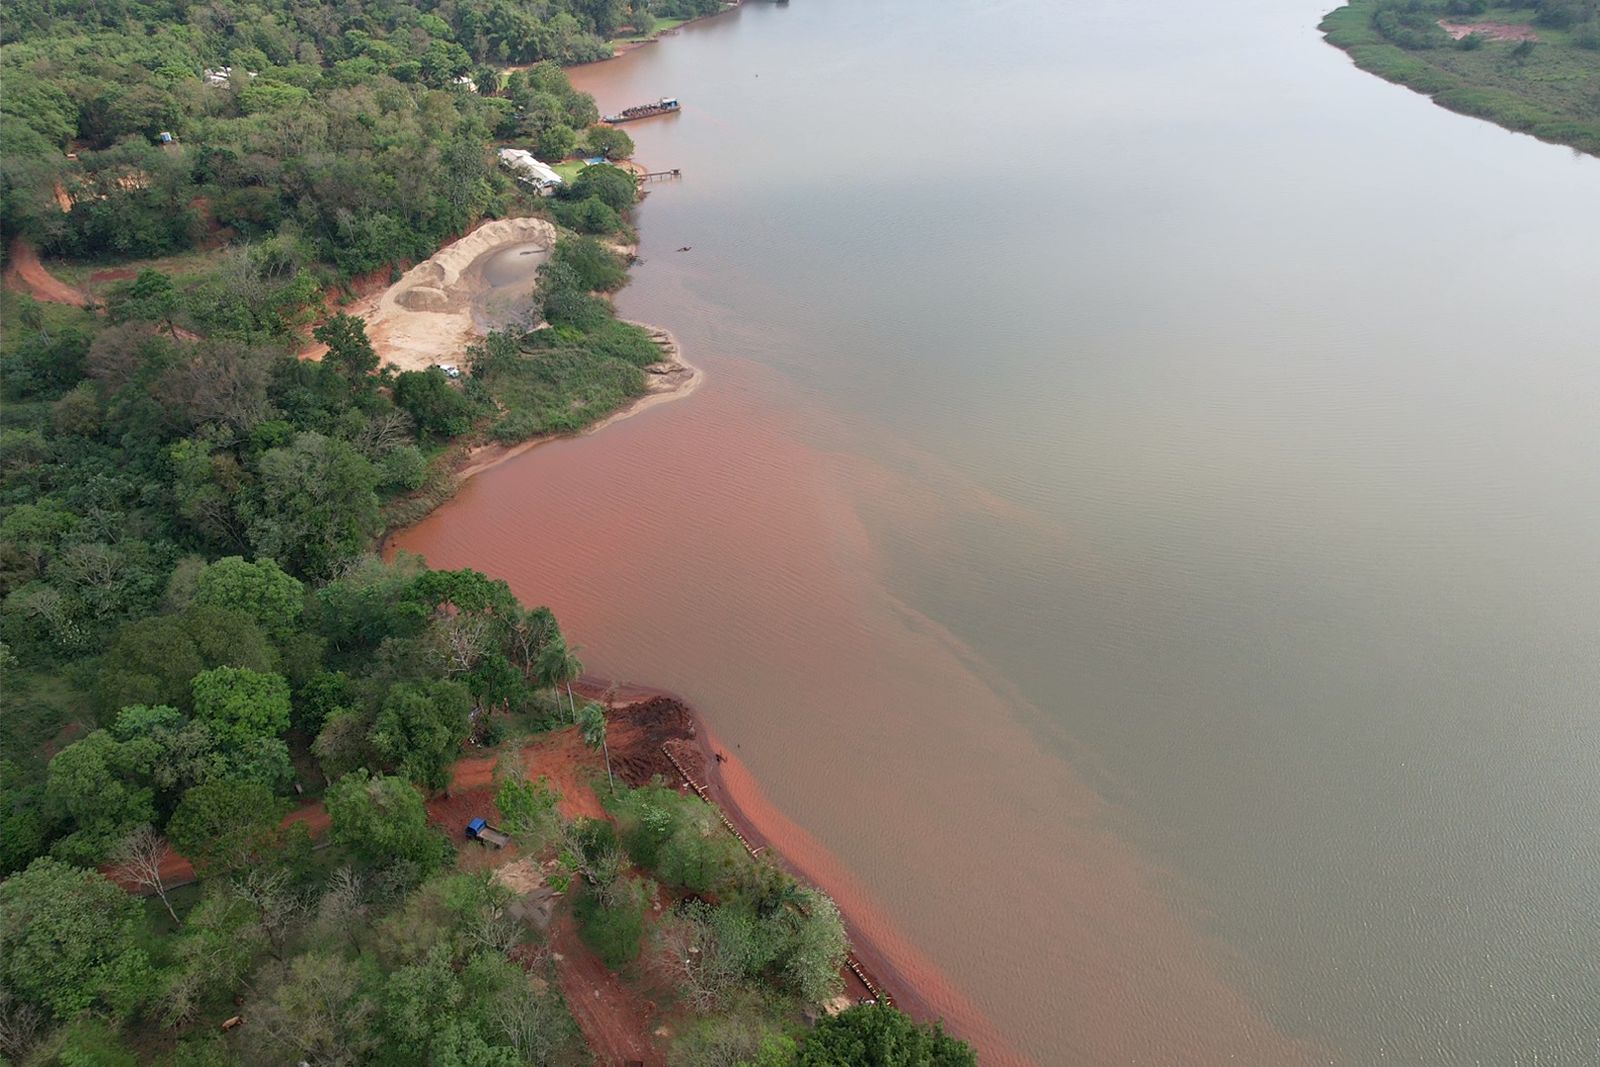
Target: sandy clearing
[(426, 316), (1497, 31)]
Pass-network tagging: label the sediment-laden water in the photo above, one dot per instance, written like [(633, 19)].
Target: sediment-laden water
[(1140, 517)]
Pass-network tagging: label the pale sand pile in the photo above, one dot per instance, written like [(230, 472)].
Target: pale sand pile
[(426, 317), (523, 876)]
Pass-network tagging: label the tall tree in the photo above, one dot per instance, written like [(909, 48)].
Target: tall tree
[(558, 666), (241, 705), (383, 819), (69, 941), (318, 1012), (262, 590), (151, 297), (876, 1035), (592, 724), (349, 350), (227, 826), (420, 729), (88, 785), (315, 505)]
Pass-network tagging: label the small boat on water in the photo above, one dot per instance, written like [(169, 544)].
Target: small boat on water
[(665, 105)]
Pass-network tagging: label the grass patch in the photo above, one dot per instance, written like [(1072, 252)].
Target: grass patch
[(661, 27), (24, 317), (184, 268), (569, 169), (582, 367), (1550, 89), (559, 388), (38, 706)]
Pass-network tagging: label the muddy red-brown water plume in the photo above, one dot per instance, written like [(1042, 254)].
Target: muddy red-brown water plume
[(709, 548)]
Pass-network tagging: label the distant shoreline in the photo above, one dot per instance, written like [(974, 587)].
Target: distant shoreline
[(1480, 78)]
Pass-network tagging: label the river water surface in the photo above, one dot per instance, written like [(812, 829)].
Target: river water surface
[(1140, 517)]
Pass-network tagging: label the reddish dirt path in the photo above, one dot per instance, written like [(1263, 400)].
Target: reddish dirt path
[(560, 756), (615, 1019), (25, 272)]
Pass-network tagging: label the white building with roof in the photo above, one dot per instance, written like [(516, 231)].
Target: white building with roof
[(529, 170)]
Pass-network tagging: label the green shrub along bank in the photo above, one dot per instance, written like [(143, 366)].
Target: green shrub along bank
[(1549, 87)]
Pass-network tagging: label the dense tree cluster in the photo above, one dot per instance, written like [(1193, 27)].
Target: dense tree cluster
[(135, 130)]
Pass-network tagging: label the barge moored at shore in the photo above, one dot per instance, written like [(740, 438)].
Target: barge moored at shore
[(666, 105)]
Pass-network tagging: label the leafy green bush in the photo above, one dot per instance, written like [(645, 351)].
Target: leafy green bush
[(527, 809), (614, 186), (440, 410), (592, 215), (614, 926), (1410, 27), (875, 1035), (593, 267), (1587, 35), (678, 838)]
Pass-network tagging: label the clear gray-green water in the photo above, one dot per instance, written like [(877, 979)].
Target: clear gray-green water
[(1231, 414)]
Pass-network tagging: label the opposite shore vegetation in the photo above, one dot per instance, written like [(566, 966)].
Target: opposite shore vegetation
[(199, 644), (1528, 65)]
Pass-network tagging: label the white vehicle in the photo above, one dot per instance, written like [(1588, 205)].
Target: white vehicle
[(450, 369)]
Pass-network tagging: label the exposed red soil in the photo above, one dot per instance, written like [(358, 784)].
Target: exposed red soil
[(1497, 31), (24, 271), (615, 1019), (314, 815), (64, 737), (570, 766), (452, 810)]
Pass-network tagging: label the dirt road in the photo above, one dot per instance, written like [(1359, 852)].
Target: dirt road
[(615, 1020), (24, 271)]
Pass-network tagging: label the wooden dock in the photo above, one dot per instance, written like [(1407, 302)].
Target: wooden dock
[(659, 175)]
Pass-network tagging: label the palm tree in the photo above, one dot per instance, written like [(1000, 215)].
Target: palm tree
[(592, 722), (559, 665)]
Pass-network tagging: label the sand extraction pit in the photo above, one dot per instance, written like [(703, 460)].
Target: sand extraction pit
[(429, 316)]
